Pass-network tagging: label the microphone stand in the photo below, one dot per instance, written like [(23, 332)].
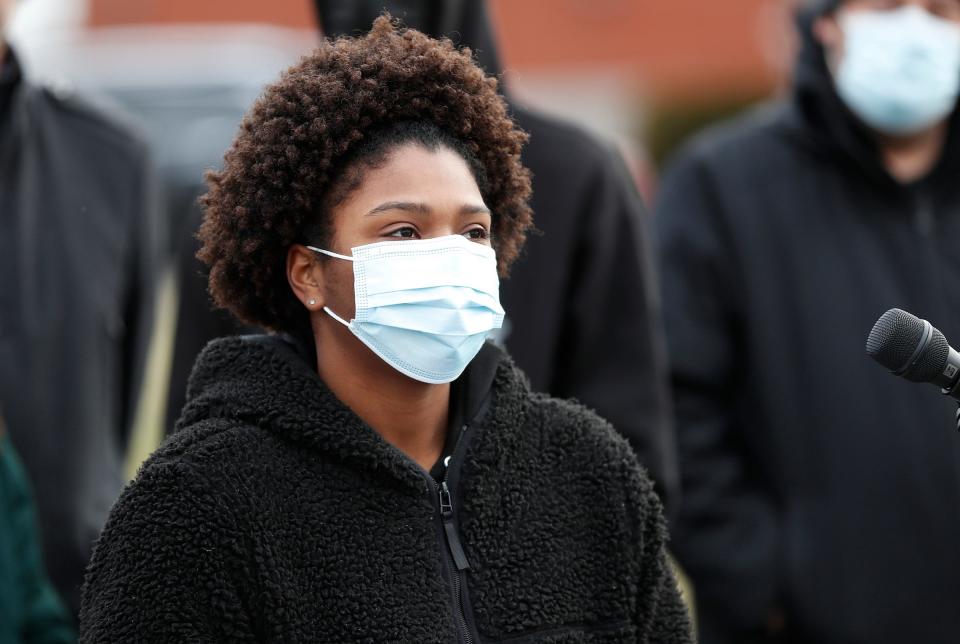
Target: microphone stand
[(954, 392)]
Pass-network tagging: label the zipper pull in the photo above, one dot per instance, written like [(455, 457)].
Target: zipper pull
[(453, 539), (446, 506)]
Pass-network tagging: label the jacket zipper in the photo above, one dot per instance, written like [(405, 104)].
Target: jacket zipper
[(923, 216), (450, 529), (456, 557)]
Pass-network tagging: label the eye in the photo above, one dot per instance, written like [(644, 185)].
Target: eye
[(479, 233), (405, 232)]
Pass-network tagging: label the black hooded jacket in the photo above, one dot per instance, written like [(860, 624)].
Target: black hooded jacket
[(583, 317), (275, 514), (80, 250), (815, 484)]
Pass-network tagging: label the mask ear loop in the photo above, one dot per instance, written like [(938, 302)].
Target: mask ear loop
[(330, 253), (337, 256), (336, 317)]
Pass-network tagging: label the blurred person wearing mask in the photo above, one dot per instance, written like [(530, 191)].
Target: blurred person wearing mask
[(820, 495), (30, 611), (78, 254)]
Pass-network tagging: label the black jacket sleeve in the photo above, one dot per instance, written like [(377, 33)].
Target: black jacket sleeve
[(726, 534), (661, 615), (612, 357), (160, 571)]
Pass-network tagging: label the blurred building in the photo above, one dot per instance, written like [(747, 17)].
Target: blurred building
[(630, 70), (667, 48)]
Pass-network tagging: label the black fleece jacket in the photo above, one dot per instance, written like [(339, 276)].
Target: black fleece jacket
[(813, 481), (275, 514)]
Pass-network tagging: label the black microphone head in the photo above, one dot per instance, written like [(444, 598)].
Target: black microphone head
[(894, 340)]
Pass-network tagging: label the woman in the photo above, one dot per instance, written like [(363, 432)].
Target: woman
[(30, 611), (372, 471)]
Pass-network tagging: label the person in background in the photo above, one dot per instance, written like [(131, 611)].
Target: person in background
[(30, 611), (373, 470), (79, 250), (820, 494), (583, 315)]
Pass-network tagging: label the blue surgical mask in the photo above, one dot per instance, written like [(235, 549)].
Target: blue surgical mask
[(424, 306), (900, 71)]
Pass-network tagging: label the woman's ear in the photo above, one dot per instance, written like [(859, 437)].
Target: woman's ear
[(305, 276)]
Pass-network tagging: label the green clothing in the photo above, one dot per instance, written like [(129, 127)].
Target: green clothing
[(30, 611)]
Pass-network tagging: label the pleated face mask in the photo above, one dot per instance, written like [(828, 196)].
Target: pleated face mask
[(900, 71), (424, 306)]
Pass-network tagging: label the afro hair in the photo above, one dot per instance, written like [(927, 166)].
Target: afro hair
[(278, 176)]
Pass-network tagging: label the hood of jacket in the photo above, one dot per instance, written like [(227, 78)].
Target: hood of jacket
[(465, 22), (821, 119), (267, 381), (10, 77)]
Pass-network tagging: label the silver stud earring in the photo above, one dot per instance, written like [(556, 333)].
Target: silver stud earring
[(312, 302)]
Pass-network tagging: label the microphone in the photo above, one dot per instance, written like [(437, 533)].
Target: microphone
[(914, 349)]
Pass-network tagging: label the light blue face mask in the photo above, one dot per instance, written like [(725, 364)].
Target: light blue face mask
[(424, 306), (900, 71)]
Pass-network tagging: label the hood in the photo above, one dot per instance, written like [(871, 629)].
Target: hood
[(267, 382), (823, 121), (465, 22), (10, 79)]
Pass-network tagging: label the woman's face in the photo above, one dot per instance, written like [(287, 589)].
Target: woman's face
[(415, 194)]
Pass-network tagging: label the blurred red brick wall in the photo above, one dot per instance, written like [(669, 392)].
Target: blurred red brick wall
[(680, 48), (289, 13)]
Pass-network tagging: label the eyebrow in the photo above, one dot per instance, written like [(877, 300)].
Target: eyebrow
[(424, 209)]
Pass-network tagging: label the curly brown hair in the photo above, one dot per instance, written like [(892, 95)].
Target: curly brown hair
[(278, 177)]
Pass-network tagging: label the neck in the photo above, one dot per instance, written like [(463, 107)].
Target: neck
[(908, 159), (408, 414)]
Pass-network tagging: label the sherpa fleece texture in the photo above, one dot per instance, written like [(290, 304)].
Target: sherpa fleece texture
[(275, 514)]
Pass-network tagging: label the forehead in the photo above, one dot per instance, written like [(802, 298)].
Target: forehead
[(411, 171)]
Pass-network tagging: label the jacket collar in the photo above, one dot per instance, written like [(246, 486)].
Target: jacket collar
[(263, 381), (10, 80)]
